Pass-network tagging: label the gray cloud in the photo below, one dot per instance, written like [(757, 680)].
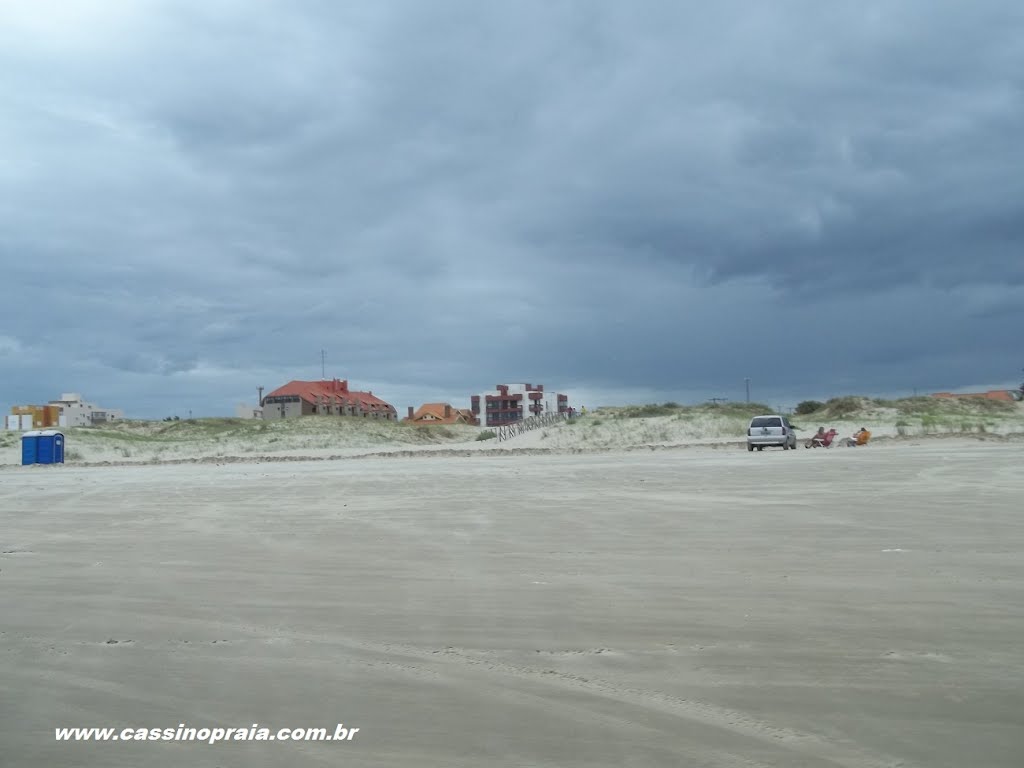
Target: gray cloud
[(656, 200)]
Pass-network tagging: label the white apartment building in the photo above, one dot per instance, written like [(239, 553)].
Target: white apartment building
[(75, 412)]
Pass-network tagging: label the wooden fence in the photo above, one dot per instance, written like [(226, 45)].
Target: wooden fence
[(508, 431)]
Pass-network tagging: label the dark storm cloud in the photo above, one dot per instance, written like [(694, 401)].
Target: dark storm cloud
[(623, 199)]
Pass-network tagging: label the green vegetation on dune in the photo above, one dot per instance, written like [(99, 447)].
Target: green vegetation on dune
[(192, 429), (606, 428), (734, 410), (904, 417), (844, 407), (919, 407), (924, 415), (952, 406), (225, 436), (646, 411), (745, 410), (808, 406), (926, 408)]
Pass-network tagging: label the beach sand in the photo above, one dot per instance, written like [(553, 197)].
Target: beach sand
[(853, 607)]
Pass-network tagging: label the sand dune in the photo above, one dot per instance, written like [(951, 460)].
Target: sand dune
[(232, 440), (227, 440)]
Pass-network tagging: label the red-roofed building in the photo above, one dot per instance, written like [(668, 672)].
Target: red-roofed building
[(324, 398)]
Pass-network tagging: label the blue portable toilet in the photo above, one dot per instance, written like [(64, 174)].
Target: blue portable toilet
[(42, 446), (29, 447)]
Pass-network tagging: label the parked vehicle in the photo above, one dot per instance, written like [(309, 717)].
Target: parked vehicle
[(770, 430)]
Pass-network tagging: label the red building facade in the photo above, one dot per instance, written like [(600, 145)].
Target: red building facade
[(509, 403)]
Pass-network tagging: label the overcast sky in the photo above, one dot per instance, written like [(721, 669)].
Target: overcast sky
[(627, 202)]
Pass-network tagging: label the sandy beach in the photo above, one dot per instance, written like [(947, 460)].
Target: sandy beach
[(856, 608)]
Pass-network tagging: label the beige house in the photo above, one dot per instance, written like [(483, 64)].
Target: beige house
[(75, 412)]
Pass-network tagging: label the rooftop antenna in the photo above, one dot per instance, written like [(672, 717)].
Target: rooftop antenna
[(323, 368)]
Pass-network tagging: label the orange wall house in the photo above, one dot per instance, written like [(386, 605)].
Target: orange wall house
[(42, 415)]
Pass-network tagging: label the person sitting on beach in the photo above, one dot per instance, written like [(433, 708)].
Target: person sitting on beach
[(860, 437), (819, 437)]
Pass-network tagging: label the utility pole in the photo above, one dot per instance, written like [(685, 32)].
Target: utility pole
[(323, 366), (748, 388)]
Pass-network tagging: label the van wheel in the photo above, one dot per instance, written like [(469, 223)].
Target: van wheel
[(785, 446), (760, 447), (750, 447)]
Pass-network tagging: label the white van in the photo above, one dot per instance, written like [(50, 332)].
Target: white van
[(770, 430)]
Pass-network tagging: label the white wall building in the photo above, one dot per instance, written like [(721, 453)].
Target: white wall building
[(75, 412), (21, 422), (247, 411)]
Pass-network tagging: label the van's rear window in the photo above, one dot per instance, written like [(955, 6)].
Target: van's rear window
[(767, 421)]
